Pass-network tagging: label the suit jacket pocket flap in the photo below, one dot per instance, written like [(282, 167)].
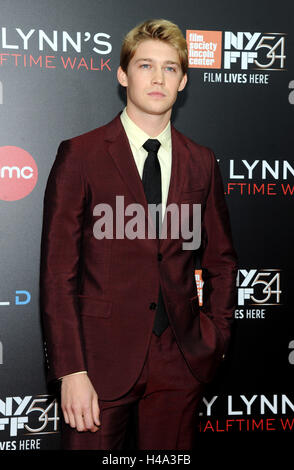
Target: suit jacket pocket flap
[(89, 306)]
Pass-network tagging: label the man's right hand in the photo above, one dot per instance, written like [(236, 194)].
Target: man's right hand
[(79, 403)]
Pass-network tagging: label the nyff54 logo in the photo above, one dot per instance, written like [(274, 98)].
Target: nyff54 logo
[(257, 289), (263, 50), (29, 415)]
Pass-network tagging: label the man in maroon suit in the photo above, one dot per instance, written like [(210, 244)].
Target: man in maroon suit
[(121, 315)]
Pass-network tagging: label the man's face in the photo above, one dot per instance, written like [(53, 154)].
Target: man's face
[(153, 78)]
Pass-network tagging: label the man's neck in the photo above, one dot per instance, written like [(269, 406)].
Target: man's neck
[(152, 124)]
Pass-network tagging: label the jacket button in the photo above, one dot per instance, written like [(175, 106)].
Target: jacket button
[(159, 256), (152, 306)]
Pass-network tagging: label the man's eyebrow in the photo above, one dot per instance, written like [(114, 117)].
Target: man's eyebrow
[(142, 58), (147, 59), (171, 62)]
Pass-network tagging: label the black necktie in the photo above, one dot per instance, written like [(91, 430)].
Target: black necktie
[(151, 180)]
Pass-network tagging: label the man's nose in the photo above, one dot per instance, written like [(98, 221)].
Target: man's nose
[(158, 76)]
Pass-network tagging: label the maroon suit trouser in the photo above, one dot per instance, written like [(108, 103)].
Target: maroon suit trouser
[(166, 395)]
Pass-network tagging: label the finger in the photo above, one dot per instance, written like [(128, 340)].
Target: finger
[(71, 419), (96, 411), (79, 420), (65, 416), (88, 420)]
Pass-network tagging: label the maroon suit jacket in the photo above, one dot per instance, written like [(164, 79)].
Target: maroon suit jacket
[(97, 296)]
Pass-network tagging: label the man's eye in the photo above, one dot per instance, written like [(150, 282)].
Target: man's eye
[(145, 66), (171, 69)]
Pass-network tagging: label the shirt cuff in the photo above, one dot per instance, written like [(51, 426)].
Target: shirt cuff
[(74, 373)]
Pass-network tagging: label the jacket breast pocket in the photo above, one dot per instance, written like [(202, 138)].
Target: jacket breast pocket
[(196, 195), (97, 308)]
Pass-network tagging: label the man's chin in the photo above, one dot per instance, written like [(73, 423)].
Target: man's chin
[(157, 109)]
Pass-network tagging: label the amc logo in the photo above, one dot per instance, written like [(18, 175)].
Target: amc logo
[(18, 173)]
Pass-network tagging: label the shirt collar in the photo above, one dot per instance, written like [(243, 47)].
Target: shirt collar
[(138, 137)]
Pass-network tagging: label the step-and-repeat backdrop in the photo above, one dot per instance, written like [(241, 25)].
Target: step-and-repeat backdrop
[(58, 63)]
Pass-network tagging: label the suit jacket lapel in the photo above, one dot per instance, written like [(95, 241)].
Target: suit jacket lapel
[(180, 156)]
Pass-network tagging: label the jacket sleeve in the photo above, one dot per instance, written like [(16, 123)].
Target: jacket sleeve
[(218, 258), (64, 202)]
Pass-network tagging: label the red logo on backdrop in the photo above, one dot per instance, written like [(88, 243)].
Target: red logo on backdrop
[(18, 173)]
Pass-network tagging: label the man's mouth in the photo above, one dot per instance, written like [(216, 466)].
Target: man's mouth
[(156, 94)]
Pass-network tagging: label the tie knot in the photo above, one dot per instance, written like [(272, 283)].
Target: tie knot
[(152, 145)]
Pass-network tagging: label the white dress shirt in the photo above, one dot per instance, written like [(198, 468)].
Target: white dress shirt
[(137, 137)]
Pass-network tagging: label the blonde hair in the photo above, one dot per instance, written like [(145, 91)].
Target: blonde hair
[(159, 29)]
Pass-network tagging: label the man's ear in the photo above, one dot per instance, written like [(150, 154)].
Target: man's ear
[(183, 82), (122, 77)]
